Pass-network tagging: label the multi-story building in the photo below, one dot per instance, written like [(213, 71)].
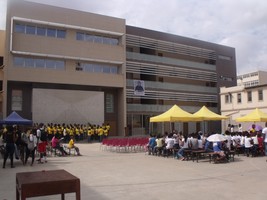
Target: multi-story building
[(252, 79), (64, 65), (174, 70), (242, 99), (68, 66)]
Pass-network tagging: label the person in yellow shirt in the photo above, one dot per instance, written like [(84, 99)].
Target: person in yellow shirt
[(72, 145), (89, 134), (100, 133)]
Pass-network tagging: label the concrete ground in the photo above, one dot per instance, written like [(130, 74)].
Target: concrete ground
[(108, 175)]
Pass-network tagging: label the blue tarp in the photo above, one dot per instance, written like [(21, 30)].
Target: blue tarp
[(15, 118)]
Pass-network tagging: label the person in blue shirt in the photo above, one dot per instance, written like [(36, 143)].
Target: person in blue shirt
[(151, 144), (217, 148)]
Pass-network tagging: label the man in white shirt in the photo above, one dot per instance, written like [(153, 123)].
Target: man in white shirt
[(264, 132)]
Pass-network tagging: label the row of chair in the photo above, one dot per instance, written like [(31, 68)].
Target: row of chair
[(126, 144)]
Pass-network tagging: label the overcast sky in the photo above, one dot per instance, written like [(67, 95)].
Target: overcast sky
[(241, 24)]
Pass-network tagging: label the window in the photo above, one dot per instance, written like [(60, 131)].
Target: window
[(29, 62), (16, 100), (106, 69), (41, 31), (260, 95), (98, 68), (249, 96), (60, 65), (61, 33), (239, 98), (109, 103), (114, 70), (79, 36), (30, 29), (96, 38), (19, 28), (50, 64), (18, 61), (224, 57), (228, 98), (38, 63), (51, 32)]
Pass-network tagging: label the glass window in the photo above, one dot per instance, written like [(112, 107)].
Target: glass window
[(260, 94), (16, 100), (249, 96), (114, 41), (18, 61), (106, 40), (30, 29), (239, 99), (41, 31), (61, 33), (51, 32), (106, 69), (39, 63), (109, 103), (79, 36), (50, 64), (228, 98), (98, 39), (89, 38), (29, 62), (97, 68), (60, 65), (19, 28), (88, 67), (114, 70)]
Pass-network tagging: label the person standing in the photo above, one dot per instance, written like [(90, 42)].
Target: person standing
[(264, 132), (42, 143), (10, 139), (31, 146)]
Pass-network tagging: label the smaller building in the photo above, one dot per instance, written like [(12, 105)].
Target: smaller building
[(252, 79), (237, 101)]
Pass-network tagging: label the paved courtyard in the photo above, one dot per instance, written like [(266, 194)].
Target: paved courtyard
[(108, 175)]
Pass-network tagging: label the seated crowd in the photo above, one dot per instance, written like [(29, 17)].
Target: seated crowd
[(178, 144)]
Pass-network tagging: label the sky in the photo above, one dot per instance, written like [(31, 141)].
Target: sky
[(241, 24)]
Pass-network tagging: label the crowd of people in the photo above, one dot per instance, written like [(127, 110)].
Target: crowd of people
[(250, 143), (22, 142)]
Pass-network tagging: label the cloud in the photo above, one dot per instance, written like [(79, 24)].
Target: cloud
[(240, 23)]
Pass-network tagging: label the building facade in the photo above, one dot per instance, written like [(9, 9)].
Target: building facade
[(174, 70), (64, 66), (69, 66), (238, 101)]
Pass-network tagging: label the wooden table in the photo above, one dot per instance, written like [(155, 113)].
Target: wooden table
[(42, 183)]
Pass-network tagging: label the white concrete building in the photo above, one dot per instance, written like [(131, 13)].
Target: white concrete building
[(237, 101)]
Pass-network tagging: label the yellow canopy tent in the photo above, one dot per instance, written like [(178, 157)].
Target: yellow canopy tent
[(204, 114), (255, 116), (174, 114)]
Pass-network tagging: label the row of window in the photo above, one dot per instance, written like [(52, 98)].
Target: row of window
[(39, 30), (39, 63), (60, 33), (96, 39), (60, 65), (229, 97), (97, 68)]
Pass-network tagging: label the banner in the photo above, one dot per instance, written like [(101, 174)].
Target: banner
[(139, 87)]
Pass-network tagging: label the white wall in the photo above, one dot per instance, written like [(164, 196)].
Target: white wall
[(67, 106)]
